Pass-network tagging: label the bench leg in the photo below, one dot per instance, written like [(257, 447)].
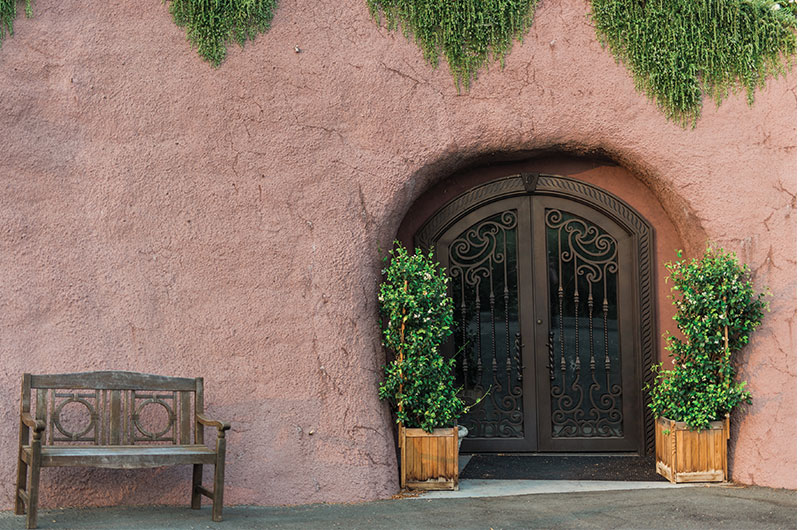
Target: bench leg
[(33, 490), (219, 478), (197, 481), (22, 485)]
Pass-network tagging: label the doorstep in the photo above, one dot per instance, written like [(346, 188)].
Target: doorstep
[(472, 488)]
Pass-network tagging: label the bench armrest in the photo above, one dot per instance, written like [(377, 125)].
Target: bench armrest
[(33, 423), (208, 422)]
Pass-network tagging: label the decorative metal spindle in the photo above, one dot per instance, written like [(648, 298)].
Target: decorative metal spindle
[(576, 299), (491, 312), (464, 365), (591, 326), (605, 332), (478, 323), (561, 324), (505, 302), (508, 343)]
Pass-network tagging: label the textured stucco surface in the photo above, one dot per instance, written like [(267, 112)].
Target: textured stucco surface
[(161, 216)]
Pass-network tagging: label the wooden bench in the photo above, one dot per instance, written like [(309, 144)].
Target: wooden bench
[(113, 433)]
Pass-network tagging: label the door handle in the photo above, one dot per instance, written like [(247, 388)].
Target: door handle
[(550, 355), (518, 354)]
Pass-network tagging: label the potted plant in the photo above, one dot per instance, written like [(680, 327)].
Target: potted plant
[(419, 381), (717, 310)]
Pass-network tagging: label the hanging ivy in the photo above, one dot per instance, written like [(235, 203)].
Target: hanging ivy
[(212, 24), (8, 12), (678, 50), (467, 32)]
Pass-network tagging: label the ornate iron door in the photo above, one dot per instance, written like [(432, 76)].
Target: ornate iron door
[(588, 393), (488, 263), (548, 297)]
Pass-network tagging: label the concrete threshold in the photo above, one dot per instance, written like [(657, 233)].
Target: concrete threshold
[(476, 488)]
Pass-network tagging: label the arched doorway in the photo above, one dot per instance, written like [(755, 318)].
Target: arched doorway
[(552, 282)]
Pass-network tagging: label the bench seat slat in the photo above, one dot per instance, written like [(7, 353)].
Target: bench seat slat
[(122, 456)]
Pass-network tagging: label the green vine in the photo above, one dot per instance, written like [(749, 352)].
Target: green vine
[(8, 12), (678, 50), (466, 32), (212, 24)]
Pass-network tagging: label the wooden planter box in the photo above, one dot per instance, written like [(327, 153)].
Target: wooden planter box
[(428, 461), (684, 455)]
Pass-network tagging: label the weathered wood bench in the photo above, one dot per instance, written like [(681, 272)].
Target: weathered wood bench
[(114, 434)]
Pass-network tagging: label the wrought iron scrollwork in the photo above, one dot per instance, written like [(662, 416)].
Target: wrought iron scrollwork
[(583, 259), (482, 263)]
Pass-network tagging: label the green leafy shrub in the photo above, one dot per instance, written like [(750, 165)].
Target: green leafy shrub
[(8, 12), (466, 32), (717, 310), (677, 50), (212, 24), (418, 317)]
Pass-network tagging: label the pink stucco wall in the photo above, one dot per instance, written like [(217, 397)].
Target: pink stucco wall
[(161, 216)]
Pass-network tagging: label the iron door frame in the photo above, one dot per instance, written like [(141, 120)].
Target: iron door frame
[(641, 246)]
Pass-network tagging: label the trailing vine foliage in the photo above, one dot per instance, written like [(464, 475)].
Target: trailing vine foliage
[(677, 50), (418, 316), (212, 24), (717, 310), (467, 32), (8, 12)]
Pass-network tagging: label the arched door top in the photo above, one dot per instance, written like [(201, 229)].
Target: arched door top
[(534, 184)]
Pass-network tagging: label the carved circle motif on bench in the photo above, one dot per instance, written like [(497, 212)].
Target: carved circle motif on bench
[(60, 408), (145, 432)]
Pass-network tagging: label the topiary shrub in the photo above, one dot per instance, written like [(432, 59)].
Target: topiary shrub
[(717, 310), (418, 317)]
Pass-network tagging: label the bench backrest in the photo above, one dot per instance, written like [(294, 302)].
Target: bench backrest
[(117, 406)]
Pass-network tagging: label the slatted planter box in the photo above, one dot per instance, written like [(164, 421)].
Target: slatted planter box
[(685, 455), (429, 461)]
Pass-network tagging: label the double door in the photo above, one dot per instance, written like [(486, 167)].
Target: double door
[(546, 326)]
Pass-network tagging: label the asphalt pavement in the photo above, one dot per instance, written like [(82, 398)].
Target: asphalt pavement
[(580, 507)]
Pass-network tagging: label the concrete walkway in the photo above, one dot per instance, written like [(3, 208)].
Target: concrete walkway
[(539, 505)]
